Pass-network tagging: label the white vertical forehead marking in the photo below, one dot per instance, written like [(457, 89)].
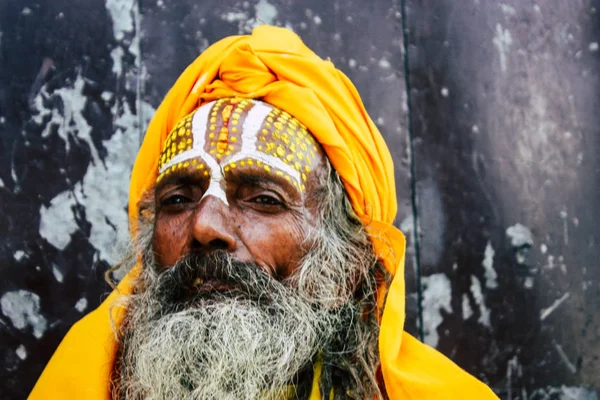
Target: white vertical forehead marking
[(251, 128), (199, 122), (254, 120)]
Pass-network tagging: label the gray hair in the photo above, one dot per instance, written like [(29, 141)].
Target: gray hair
[(339, 272)]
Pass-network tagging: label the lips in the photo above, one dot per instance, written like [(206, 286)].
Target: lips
[(211, 285)]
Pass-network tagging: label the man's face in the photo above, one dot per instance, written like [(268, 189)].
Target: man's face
[(236, 176)]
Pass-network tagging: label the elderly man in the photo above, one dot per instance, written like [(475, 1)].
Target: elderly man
[(266, 263)]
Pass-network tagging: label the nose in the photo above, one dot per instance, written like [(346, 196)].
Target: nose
[(212, 228)]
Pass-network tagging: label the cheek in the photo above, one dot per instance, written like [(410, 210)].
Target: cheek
[(278, 242), (168, 240)]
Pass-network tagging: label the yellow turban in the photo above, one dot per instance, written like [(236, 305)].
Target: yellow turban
[(274, 65)]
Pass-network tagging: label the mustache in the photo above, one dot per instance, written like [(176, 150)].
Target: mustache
[(218, 275)]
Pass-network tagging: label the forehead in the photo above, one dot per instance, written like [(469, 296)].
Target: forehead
[(239, 133)]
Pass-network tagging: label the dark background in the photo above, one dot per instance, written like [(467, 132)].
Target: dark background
[(490, 110)]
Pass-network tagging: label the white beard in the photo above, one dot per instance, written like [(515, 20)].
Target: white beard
[(221, 347)]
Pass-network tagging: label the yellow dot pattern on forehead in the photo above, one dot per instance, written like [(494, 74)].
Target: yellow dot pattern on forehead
[(235, 133)]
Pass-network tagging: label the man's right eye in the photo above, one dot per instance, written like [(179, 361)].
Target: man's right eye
[(175, 199)]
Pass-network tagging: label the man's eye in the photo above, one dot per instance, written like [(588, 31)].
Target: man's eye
[(266, 200), (175, 199)]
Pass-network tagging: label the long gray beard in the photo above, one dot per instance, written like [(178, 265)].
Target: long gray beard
[(248, 342)]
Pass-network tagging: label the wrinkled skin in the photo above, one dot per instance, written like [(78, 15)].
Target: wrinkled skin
[(266, 221)]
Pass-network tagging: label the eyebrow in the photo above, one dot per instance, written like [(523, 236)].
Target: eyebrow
[(181, 179), (260, 180)]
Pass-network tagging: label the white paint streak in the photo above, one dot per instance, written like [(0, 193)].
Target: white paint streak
[(547, 311), (56, 271), (437, 295), (265, 12), (502, 41), (21, 352), (564, 358), (484, 312), (81, 304), (488, 264), (23, 309), (467, 311), (563, 215)]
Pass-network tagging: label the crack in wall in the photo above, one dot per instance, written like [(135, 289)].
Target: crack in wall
[(413, 177)]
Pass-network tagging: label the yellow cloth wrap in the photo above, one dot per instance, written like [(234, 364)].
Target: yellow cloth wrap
[(273, 64)]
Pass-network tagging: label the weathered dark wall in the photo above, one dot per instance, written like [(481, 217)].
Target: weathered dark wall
[(490, 116), (504, 101)]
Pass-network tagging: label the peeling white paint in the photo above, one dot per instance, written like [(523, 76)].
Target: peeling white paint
[(21, 352), (491, 277), (484, 312), (69, 119), (23, 309), (81, 304), (265, 12), (58, 275), (565, 393), (108, 180), (550, 264), (57, 222), (519, 235), (508, 9), (384, 63), (19, 255), (544, 313), (563, 215), (528, 283), (122, 12), (467, 311), (564, 358), (437, 295), (502, 41)]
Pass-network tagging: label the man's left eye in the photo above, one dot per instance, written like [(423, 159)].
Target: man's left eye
[(174, 200), (266, 200)]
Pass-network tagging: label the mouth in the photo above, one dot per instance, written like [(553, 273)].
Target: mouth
[(201, 285)]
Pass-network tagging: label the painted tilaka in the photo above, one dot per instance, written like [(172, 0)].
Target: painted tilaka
[(238, 133)]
